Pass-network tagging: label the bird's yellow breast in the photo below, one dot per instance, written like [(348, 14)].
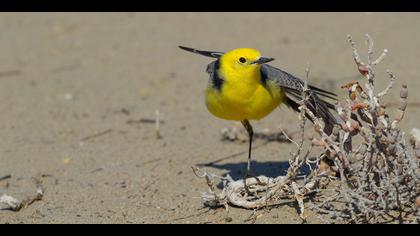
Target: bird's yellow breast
[(243, 96)]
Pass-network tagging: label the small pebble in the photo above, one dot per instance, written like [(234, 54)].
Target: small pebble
[(68, 96), (66, 161)]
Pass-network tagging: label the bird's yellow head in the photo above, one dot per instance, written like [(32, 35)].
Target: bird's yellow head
[(243, 61)]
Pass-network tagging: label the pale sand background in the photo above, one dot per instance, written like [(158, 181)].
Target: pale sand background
[(66, 76)]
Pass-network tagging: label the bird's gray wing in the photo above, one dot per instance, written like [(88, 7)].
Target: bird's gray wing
[(293, 87)]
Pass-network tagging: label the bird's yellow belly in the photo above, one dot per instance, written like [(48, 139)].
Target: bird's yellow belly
[(247, 102)]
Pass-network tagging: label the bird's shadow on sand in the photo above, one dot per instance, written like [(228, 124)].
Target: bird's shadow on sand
[(270, 169)]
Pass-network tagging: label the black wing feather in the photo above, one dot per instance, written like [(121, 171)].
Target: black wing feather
[(293, 88), (213, 54), (215, 80)]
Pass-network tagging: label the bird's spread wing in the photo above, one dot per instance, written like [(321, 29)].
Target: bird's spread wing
[(293, 88)]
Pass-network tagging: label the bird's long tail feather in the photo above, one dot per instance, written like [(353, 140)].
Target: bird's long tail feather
[(318, 106)]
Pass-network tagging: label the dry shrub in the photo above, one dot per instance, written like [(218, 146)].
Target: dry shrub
[(365, 173)]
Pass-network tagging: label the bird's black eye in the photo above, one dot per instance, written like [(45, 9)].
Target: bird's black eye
[(242, 60)]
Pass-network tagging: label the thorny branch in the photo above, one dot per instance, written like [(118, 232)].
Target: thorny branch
[(366, 173)]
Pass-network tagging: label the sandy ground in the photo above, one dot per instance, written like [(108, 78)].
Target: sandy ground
[(66, 77)]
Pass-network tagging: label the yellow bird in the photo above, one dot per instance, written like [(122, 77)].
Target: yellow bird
[(243, 88)]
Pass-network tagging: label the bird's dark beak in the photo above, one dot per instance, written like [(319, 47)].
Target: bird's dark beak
[(262, 60)]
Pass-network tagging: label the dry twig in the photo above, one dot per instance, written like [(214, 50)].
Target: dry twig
[(5, 177), (16, 205)]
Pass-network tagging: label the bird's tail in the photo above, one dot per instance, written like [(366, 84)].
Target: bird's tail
[(318, 106)]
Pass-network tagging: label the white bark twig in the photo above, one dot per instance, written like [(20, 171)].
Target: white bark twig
[(299, 198), (381, 57), (391, 83), (157, 124), (356, 56)]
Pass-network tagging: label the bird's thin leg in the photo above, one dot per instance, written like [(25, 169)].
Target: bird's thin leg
[(250, 131)]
